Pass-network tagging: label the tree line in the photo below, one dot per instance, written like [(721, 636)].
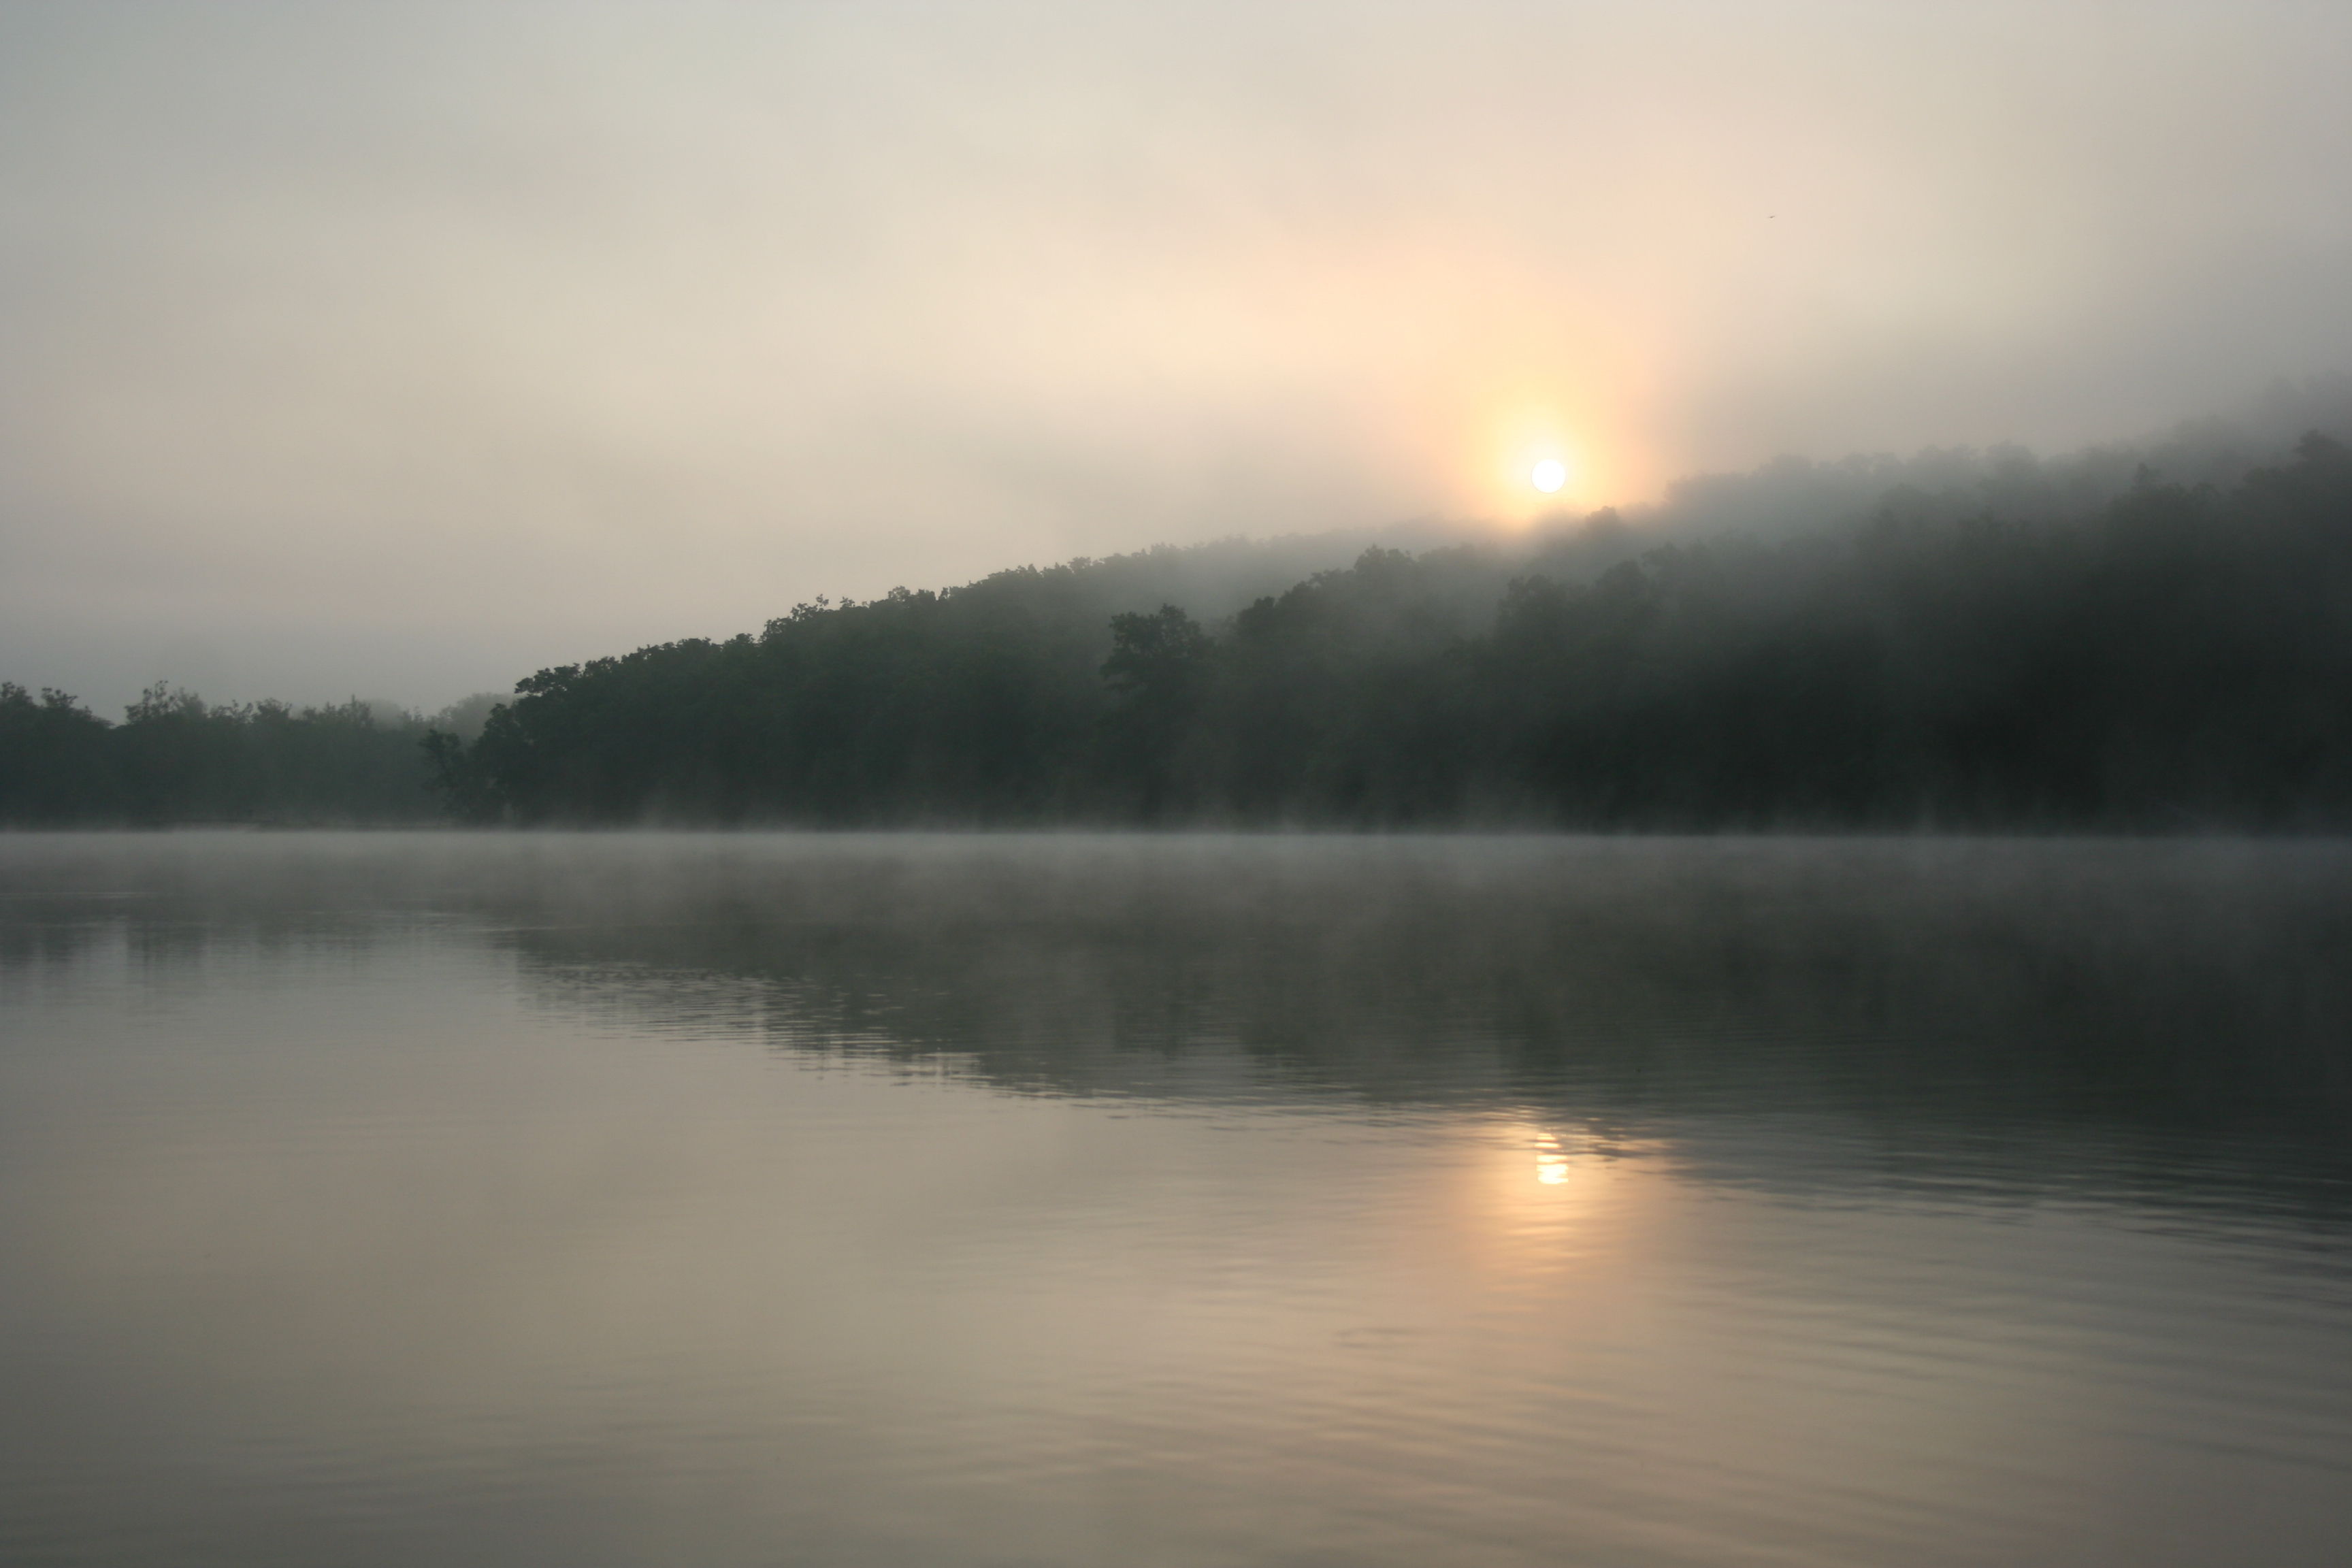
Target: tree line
[(177, 758), (2178, 657)]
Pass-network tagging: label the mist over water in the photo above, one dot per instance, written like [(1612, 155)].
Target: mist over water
[(1068, 1199)]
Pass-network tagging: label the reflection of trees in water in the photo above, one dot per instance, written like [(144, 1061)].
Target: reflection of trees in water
[(2180, 996), (2172, 1004)]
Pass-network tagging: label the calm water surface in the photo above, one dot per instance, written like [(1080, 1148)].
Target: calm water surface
[(516, 1200)]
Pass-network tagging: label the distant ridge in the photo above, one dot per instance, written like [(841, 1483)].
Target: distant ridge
[(2146, 638)]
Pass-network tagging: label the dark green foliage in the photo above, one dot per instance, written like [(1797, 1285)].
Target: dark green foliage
[(176, 759), (1160, 667), (55, 762), (919, 706)]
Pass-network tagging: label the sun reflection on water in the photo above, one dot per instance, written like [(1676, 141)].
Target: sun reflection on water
[(1551, 1165), (1583, 1181)]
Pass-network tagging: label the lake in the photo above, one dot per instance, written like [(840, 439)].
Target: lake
[(399, 1198)]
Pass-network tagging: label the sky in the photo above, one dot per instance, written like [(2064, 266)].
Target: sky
[(400, 350)]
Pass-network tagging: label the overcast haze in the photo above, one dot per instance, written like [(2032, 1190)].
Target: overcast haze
[(402, 350)]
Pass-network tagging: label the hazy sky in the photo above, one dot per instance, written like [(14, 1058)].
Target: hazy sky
[(402, 349)]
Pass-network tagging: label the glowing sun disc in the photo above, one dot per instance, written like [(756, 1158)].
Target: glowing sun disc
[(1549, 475)]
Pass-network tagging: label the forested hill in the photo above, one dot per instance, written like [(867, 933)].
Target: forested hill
[(2177, 659), (2171, 658)]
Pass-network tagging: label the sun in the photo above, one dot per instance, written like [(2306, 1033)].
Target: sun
[(1549, 475)]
